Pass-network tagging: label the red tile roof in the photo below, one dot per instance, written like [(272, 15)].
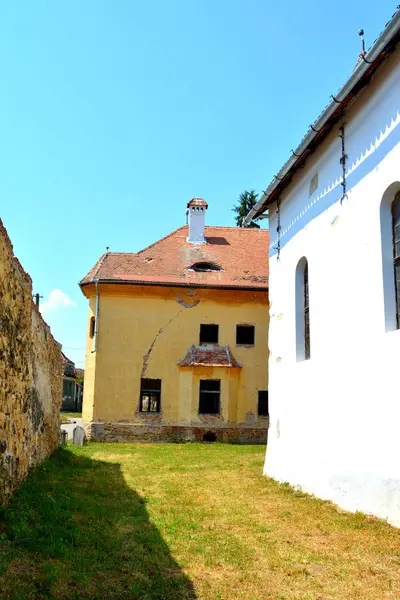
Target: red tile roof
[(240, 254), (209, 356)]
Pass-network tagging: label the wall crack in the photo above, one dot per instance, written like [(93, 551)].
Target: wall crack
[(146, 357)]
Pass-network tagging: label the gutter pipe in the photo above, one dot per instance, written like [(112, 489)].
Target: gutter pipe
[(96, 322)]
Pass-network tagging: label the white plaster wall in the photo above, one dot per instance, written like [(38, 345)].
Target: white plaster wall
[(197, 219), (335, 419)]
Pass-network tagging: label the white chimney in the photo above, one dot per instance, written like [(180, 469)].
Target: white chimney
[(197, 216)]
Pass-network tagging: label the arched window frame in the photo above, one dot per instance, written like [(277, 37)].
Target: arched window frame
[(302, 304), (389, 214), (396, 254)]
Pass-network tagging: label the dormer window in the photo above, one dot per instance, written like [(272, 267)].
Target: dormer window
[(205, 266)]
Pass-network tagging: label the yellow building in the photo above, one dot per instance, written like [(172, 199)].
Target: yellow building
[(177, 338)]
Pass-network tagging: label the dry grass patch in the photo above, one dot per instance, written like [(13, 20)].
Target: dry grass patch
[(159, 522)]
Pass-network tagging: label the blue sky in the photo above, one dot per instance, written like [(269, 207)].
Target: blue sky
[(114, 114)]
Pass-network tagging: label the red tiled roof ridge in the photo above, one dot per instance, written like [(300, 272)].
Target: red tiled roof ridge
[(165, 237), (100, 263), (243, 262)]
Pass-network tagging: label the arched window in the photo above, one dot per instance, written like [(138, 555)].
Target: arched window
[(92, 327), (396, 254), (390, 239), (303, 346)]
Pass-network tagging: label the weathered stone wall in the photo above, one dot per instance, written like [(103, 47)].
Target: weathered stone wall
[(132, 432), (30, 376)]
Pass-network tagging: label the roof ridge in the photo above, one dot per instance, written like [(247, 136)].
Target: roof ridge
[(165, 237), (237, 228), (101, 262)]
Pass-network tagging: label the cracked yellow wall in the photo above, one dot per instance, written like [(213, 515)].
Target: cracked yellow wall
[(144, 331)]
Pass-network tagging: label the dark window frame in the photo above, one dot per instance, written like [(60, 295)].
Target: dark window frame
[(243, 327), (151, 389), (209, 395), (307, 343), (205, 336), (92, 327), (396, 253), (263, 403)]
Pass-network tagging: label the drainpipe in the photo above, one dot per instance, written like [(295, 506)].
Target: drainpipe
[(96, 322)]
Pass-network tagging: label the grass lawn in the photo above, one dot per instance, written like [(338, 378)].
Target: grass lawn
[(66, 415), (175, 522)]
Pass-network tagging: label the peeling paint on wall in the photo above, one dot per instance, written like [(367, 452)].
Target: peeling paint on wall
[(187, 299)]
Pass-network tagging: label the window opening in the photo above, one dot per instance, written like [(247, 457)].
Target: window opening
[(205, 266), (209, 437), (92, 327), (209, 334), (302, 307), (245, 335), (263, 408), (150, 395), (306, 315), (396, 253), (210, 393)]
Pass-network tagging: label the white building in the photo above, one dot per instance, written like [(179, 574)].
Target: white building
[(335, 349)]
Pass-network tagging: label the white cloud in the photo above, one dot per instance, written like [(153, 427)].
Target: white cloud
[(56, 301)]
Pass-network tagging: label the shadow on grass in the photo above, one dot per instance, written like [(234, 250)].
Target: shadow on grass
[(76, 530)]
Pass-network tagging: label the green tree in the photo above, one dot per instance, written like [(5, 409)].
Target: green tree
[(246, 202)]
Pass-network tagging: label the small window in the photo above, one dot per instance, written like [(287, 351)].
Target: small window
[(245, 335), (150, 395), (263, 410), (396, 253), (205, 266), (92, 327), (210, 393), (306, 316), (302, 302), (390, 255), (208, 334), (313, 184)]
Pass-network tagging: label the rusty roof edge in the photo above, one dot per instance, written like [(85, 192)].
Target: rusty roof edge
[(391, 30), (259, 288)]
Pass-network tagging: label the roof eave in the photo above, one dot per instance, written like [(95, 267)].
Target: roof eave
[(361, 74), (83, 284)]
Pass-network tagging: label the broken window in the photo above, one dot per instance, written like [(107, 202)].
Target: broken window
[(263, 410), (208, 334), (92, 327), (150, 395), (210, 393), (245, 335)]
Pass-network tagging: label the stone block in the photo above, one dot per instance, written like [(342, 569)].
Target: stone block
[(78, 436)]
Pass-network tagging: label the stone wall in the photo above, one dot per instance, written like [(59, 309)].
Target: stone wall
[(154, 432), (30, 376)]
